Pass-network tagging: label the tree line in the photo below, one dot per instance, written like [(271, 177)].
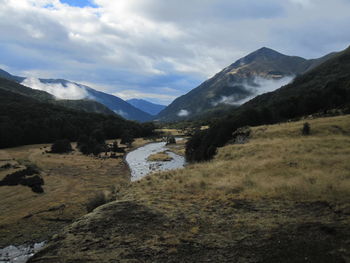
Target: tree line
[(24, 120)]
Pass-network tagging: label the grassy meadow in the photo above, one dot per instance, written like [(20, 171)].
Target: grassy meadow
[(71, 180), (277, 162)]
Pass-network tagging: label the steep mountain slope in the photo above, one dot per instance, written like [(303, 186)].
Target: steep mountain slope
[(261, 71), (118, 105), (83, 105), (6, 75), (86, 99), (114, 103), (146, 106), (325, 87)]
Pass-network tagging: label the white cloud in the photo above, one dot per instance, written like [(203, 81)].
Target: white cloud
[(121, 43), (121, 113), (261, 86), (183, 113), (70, 91)]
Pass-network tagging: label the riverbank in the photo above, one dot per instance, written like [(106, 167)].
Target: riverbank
[(280, 197), (141, 165)]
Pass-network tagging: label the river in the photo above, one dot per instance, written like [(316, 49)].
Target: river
[(20, 254), (140, 166)]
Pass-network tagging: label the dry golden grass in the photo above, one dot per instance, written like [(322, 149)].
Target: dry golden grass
[(159, 157), (179, 147), (70, 180), (174, 132), (277, 162)]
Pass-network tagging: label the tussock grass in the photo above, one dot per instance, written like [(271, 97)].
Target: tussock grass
[(277, 162), (159, 157)]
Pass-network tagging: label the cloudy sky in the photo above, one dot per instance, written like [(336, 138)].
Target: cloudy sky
[(159, 49)]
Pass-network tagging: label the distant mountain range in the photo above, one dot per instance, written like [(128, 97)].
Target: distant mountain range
[(261, 71), (146, 106), (87, 99)]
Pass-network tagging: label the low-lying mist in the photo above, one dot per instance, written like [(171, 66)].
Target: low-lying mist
[(69, 91), (261, 86)]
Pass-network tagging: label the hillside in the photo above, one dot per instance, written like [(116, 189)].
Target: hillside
[(82, 105), (323, 88), (89, 99), (261, 71), (25, 120), (280, 197), (146, 106)]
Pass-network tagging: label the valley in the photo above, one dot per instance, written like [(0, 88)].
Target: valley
[(279, 197), (260, 173)]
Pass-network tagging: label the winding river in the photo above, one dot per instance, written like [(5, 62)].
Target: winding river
[(140, 166)]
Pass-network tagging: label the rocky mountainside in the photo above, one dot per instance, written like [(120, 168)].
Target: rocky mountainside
[(85, 98), (146, 106), (325, 87), (261, 71)]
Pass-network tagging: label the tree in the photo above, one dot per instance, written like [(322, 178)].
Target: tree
[(61, 146), (306, 129), (127, 139)]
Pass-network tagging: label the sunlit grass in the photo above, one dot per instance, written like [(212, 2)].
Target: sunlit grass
[(277, 162)]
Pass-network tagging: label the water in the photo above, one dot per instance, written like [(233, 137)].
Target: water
[(140, 167), (20, 254)]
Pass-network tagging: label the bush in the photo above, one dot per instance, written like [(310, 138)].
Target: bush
[(61, 146), (97, 200), (127, 139), (27, 177), (170, 139), (306, 129)]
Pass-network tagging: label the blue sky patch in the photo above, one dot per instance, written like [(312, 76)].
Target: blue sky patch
[(79, 3)]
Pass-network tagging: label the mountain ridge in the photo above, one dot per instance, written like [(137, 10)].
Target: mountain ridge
[(95, 101), (146, 106), (263, 69), (324, 87)]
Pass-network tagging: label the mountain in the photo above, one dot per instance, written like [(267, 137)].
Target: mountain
[(26, 120), (85, 97), (322, 88), (146, 106), (261, 71), (114, 103), (83, 105)]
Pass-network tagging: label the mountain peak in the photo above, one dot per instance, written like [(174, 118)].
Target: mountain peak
[(263, 53)]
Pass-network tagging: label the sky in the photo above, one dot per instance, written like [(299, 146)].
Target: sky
[(157, 49)]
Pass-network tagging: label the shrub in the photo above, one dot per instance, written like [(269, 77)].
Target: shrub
[(61, 146), (170, 139), (27, 177), (306, 129), (97, 200), (127, 139), (92, 147)]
